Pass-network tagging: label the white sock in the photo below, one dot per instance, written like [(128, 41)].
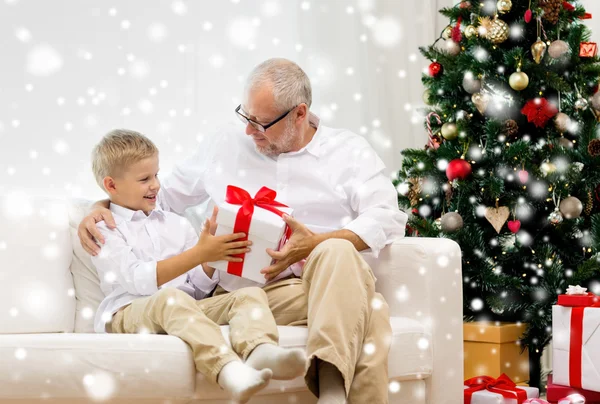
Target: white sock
[(286, 363), (242, 381), (331, 384)]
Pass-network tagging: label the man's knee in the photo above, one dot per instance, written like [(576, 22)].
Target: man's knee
[(171, 296), (252, 294), (335, 245)]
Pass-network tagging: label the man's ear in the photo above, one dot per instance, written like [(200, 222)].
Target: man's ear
[(109, 185), (301, 112)]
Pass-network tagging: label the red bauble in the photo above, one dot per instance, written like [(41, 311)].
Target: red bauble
[(435, 69), (458, 169), (539, 111), (514, 225), (528, 16)]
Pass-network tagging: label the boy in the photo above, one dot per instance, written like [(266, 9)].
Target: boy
[(153, 275)]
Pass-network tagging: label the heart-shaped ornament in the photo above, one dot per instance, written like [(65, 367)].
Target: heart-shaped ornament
[(514, 225), (523, 176), (497, 217), (481, 101)]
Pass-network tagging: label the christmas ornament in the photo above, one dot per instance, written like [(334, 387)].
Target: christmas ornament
[(470, 31), (589, 204), (551, 10), (538, 50), (449, 131), (558, 48), (594, 147), (581, 103), (504, 6), (499, 31), (588, 49), (414, 191), (456, 32), (571, 207), (497, 216), (434, 141), (435, 69), (528, 16), (518, 80), (523, 176), (427, 97), (555, 217), (465, 4), (458, 169), (511, 128), (485, 26), (447, 33), (539, 111), (452, 47), (596, 101), (437, 223), (569, 7), (514, 226), (562, 122), (481, 101), (566, 143), (451, 222), (470, 83), (548, 168)]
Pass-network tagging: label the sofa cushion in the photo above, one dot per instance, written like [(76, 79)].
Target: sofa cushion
[(85, 278), (36, 288), (103, 365)]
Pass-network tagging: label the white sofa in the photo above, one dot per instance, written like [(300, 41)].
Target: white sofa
[(48, 293)]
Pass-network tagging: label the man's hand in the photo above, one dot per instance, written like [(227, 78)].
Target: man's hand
[(87, 230), (298, 247)]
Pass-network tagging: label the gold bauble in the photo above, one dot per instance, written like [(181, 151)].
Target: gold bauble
[(449, 131), (499, 31), (538, 50), (504, 6), (447, 33), (518, 80), (470, 31), (481, 101), (427, 97)]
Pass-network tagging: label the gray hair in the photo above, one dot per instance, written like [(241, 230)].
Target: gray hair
[(291, 85)]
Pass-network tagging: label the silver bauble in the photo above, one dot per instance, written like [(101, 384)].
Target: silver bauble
[(596, 101), (558, 49), (471, 84), (451, 222), (581, 103), (571, 207), (562, 121), (555, 217)]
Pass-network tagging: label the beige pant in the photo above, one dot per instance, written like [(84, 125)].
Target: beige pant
[(174, 312), (348, 322)]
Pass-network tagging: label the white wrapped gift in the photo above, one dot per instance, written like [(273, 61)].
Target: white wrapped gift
[(576, 366), (267, 230), (488, 397)]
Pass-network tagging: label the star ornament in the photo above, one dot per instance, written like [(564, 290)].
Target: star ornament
[(539, 111), (576, 290)]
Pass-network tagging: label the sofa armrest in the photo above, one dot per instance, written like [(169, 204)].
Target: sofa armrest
[(421, 278)]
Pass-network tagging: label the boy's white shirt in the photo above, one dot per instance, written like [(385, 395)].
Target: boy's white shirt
[(127, 261)]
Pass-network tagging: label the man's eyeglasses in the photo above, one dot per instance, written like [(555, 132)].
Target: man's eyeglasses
[(259, 127)]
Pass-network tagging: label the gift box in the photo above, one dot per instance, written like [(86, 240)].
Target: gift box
[(588, 49), (555, 392), (493, 349), (261, 219), (487, 390), (576, 340)]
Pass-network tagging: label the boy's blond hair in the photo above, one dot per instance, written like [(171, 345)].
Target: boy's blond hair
[(117, 151)]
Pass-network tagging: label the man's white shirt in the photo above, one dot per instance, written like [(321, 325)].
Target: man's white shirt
[(336, 182)]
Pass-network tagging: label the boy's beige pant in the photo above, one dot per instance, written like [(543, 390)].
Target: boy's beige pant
[(174, 312), (348, 322)]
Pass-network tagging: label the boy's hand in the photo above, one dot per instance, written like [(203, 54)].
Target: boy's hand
[(213, 221), (221, 248)]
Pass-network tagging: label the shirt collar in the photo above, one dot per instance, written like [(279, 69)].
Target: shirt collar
[(314, 146), (128, 214)]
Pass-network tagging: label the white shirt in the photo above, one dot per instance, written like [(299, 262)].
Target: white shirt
[(336, 182), (127, 261)]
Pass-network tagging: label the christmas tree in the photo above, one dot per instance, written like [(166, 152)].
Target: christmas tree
[(511, 170)]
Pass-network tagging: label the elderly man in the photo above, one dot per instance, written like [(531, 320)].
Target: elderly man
[(343, 203)]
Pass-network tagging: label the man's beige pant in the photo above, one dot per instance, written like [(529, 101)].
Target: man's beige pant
[(174, 312), (348, 322)]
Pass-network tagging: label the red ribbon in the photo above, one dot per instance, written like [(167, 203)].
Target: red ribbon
[(576, 340), (502, 385), (265, 199)]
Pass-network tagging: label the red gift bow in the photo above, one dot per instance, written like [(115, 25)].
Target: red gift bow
[(576, 340), (264, 198), (502, 385), (569, 7)]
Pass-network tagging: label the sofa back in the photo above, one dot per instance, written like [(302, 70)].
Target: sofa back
[(36, 287)]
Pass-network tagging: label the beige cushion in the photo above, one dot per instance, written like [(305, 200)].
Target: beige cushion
[(85, 278)]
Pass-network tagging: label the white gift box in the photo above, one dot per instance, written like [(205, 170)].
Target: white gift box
[(266, 231), (590, 351), (487, 397)]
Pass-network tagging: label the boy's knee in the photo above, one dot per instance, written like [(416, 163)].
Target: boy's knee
[(171, 296)]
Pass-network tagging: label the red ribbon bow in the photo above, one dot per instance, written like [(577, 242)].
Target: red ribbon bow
[(265, 199), (576, 340), (502, 385)]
